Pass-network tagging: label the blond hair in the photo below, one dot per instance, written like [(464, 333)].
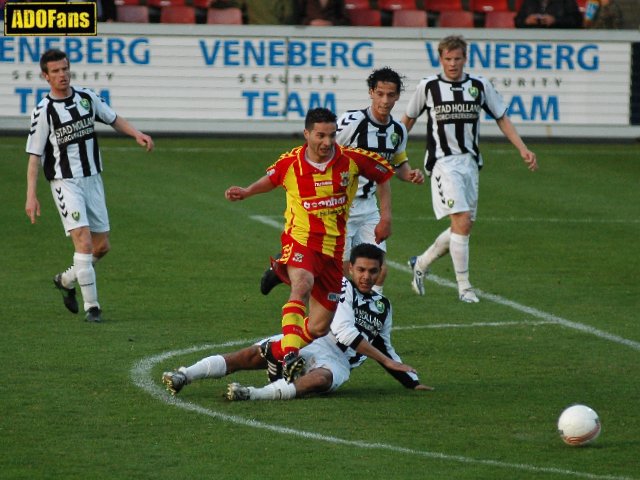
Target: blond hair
[(452, 42)]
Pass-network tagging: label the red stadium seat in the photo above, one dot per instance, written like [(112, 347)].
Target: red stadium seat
[(357, 4), (409, 18), (483, 6), (397, 5), (178, 14), (229, 16), (500, 20), (366, 17), (442, 5), (455, 19), (132, 13)]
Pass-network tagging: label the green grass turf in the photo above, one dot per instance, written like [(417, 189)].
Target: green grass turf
[(184, 270)]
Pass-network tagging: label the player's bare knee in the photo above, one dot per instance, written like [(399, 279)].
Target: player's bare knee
[(318, 330), (322, 379)]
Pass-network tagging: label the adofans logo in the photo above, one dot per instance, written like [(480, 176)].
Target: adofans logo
[(50, 18)]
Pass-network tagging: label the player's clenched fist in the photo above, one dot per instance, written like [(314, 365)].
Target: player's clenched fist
[(235, 193)]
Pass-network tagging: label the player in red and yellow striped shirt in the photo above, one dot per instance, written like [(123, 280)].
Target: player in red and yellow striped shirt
[(320, 179)]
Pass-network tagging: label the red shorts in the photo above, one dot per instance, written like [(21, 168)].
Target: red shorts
[(326, 270)]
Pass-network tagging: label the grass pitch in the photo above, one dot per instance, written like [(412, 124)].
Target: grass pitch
[(553, 254)]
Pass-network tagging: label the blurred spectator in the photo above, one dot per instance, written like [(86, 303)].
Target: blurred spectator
[(270, 12), (605, 14), (106, 10), (321, 12), (549, 14)]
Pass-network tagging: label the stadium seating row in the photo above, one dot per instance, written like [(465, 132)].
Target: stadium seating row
[(178, 14), (397, 13), (369, 17)]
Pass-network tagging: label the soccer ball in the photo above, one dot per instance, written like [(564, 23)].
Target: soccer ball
[(578, 425)]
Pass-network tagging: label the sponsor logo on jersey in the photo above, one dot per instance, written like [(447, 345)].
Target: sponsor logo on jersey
[(323, 203), (50, 18), (323, 183), (74, 132)]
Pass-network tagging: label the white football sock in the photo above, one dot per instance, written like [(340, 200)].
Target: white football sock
[(278, 390), (69, 275), (210, 367), (439, 248), (459, 248), (83, 266)]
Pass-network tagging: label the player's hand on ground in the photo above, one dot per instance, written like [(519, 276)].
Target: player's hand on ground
[(399, 366), (32, 209), (235, 193), (423, 387)]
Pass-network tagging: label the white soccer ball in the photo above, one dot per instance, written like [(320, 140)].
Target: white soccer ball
[(578, 425)]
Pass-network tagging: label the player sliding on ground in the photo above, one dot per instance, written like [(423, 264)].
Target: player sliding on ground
[(361, 328), (320, 179)]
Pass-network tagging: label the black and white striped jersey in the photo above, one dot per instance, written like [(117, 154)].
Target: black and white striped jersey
[(357, 128), (453, 114), (63, 134), (365, 316)]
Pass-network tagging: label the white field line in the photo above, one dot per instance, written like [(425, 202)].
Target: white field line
[(546, 317), (141, 376)]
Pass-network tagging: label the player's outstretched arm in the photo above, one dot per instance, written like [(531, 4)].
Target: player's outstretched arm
[(263, 185), (365, 348), (123, 126)]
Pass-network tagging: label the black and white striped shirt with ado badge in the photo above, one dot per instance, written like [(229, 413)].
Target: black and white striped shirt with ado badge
[(453, 114), (358, 128), (361, 316), (63, 134)]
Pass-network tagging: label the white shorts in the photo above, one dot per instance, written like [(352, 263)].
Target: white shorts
[(361, 227), (81, 203), (323, 353), (454, 186)]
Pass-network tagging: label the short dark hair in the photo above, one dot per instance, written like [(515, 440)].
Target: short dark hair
[(366, 250), (452, 42), (319, 115), (51, 55), (385, 74)]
